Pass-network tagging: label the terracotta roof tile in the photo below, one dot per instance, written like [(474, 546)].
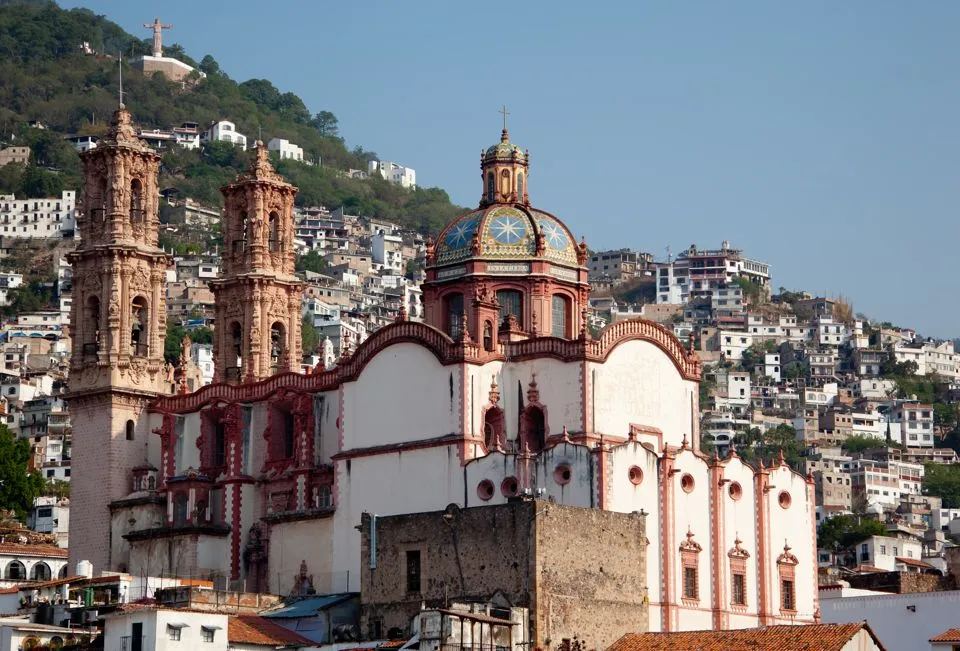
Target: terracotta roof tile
[(914, 562), (251, 629), (50, 551), (815, 637), (951, 635)]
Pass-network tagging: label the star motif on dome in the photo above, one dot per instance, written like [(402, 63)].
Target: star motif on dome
[(555, 235), (461, 233), (508, 230)]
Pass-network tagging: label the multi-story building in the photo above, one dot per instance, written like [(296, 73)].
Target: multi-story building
[(386, 249), (51, 515), (224, 131), (285, 149), (719, 267), (393, 172), (618, 265), (771, 366), (187, 135), (18, 155), (318, 229), (868, 424), (884, 482), (83, 143), (673, 282), (867, 361), (48, 218), (836, 424), (823, 366), (912, 424), (886, 552), (733, 343), (8, 280), (931, 358), (830, 333)]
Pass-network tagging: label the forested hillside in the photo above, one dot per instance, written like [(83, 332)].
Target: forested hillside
[(45, 76)]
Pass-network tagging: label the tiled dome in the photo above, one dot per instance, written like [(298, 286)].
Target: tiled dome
[(506, 232)]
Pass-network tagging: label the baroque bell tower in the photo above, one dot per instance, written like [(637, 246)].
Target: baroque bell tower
[(258, 296), (118, 327)]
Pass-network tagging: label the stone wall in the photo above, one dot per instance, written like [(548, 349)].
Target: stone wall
[(902, 582), (581, 572)]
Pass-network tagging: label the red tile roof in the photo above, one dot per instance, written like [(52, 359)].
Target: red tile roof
[(951, 635), (814, 637), (50, 551), (251, 629), (914, 563)]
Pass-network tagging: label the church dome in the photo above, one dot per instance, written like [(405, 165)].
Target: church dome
[(506, 232), (504, 150)]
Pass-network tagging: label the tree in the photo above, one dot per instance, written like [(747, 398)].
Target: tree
[(57, 488), (842, 532), (209, 66), (309, 336), (19, 485), (326, 124), (943, 481), (310, 261), (855, 444)]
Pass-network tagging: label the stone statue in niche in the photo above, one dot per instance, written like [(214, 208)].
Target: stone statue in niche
[(302, 582)]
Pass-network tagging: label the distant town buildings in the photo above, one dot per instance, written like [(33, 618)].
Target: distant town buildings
[(285, 149), (18, 155), (48, 218)]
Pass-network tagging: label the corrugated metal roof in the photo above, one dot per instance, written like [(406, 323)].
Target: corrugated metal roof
[(310, 606)]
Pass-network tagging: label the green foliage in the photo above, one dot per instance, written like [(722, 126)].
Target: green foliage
[(309, 336), (755, 444), (855, 444), (45, 76), (33, 297), (174, 339), (752, 290), (18, 485), (943, 481), (57, 488), (310, 261), (890, 367), (843, 531)]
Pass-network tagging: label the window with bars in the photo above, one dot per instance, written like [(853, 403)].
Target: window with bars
[(454, 315), (739, 592), (690, 583), (511, 302), (787, 596), (413, 570), (558, 316)]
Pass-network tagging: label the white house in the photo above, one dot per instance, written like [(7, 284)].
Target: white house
[(771, 366), (394, 172), (48, 218), (386, 251), (224, 131), (286, 149)]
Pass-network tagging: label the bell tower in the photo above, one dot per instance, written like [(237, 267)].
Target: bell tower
[(258, 296), (118, 326)]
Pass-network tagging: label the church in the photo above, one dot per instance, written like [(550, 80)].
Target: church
[(502, 392)]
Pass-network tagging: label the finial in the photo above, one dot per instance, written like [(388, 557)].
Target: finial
[(120, 69), (685, 443), (533, 324), (402, 314), (464, 331), (505, 113), (566, 434)]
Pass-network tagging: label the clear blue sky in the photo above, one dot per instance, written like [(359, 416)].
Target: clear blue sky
[(819, 136)]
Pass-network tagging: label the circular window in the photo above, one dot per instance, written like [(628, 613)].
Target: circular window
[(735, 491), (635, 475), (485, 490), (785, 500), (562, 474), (509, 487), (686, 483)]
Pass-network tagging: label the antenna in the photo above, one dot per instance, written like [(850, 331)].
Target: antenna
[(120, 68)]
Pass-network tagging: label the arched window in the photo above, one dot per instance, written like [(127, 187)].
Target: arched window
[(16, 571), (511, 302), (139, 327), (274, 236), (454, 314), (534, 429), (493, 427), (559, 315), (129, 430), (491, 187), (62, 574), (40, 572), (136, 201), (519, 186), (324, 499), (488, 336), (235, 354), (278, 340), (282, 434), (505, 189), (240, 243), (91, 330), (180, 509)]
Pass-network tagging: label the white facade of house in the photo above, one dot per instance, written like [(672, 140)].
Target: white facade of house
[(386, 250), (733, 343), (931, 358), (166, 629), (771, 366), (224, 131), (286, 149), (393, 172), (883, 551), (48, 218)]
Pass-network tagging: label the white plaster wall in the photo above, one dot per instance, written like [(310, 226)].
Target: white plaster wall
[(559, 386), (478, 391), (153, 421), (325, 418), (792, 525), (625, 497), (189, 452), (740, 520), (639, 384), (211, 552), (895, 626), (306, 540), (407, 482), (403, 394), (692, 513), (259, 419)]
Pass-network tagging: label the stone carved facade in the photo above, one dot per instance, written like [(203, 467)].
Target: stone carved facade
[(118, 325), (258, 297)]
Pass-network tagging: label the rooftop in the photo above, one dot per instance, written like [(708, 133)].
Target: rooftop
[(815, 637), (250, 629)]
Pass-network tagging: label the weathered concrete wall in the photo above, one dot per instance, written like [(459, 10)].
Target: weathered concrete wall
[(580, 571)]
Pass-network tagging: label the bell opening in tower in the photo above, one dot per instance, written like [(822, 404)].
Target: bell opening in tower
[(274, 235), (240, 244), (277, 341), (232, 371), (139, 327), (136, 202), (91, 329)]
